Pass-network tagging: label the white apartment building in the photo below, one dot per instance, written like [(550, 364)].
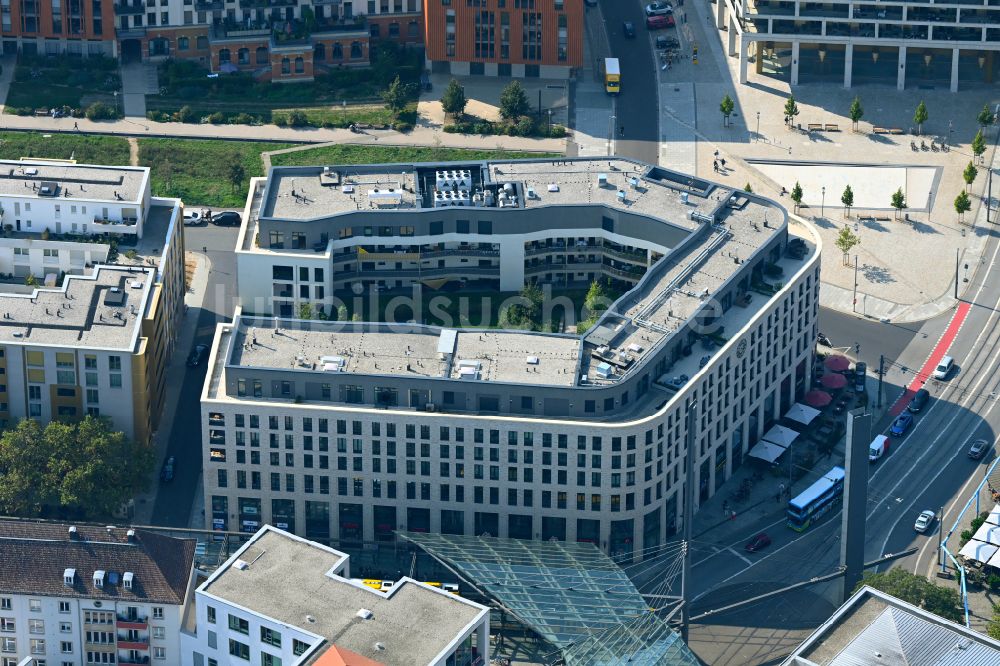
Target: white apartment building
[(345, 432), (283, 600), (80, 335), (80, 595), (903, 42)]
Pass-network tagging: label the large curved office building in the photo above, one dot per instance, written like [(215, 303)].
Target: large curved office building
[(349, 431)]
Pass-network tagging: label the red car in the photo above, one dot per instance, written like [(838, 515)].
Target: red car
[(660, 22), (759, 542)]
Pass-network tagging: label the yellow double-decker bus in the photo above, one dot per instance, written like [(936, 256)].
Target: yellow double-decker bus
[(612, 76)]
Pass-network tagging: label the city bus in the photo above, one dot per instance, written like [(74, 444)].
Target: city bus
[(612, 76), (816, 500)]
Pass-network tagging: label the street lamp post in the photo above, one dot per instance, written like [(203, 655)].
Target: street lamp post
[(116, 101), (822, 204), (611, 133), (951, 129), (757, 137), (550, 121)]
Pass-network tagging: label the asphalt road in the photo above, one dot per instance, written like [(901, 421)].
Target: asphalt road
[(927, 468), (636, 107), (174, 500)]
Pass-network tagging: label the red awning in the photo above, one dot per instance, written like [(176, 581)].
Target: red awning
[(834, 381), (817, 398), (837, 363)]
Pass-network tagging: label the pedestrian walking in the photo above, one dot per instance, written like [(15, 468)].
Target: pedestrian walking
[(76, 125), (732, 516), (621, 130), (723, 162), (716, 153), (777, 497), (715, 166), (781, 488)]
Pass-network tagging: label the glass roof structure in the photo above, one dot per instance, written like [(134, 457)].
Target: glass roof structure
[(571, 594)]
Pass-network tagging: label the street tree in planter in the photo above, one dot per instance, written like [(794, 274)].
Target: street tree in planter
[(920, 117), (791, 110), (847, 198), (962, 205), (856, 112), (985, 116), (514, 101), (898, 201), (726, 107), (846, 240), (979, 146), (969, 174), (796, 195)]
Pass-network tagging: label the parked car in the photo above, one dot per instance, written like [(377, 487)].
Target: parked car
[(197, 354), (664, 43), (194, 217), (227, 218), (167, 472), (978, 449), (901, 424), (629, 28), (660, 22), (944, 368), (659, 9), (919, 400), (924, 521), (759, 542)]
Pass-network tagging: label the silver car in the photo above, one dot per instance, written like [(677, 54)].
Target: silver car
[(924, 521), (658, 9)]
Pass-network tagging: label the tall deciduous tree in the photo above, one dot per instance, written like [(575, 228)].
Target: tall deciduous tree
[(453, 100), (847, 198), (726, 106), (514, 101), (397, 94), (920, 117), (84, 467), (856, 112), (236, 175)]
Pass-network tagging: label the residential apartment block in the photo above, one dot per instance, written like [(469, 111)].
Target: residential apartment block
[(80, 595), (87, 336), (283, 600), (520, 38), (904, 42), (349, 431)]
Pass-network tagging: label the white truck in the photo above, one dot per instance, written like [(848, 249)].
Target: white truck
[(878, 448)]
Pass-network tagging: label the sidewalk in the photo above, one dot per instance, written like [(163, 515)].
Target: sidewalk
[(145, 502), (420, 136)]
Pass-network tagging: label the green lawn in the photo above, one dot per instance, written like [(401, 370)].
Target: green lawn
[(42, 83), (354, 154), (83, 148), (370, 114), (196, 170), (28, 94)]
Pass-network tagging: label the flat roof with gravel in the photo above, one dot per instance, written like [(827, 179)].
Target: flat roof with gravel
[(44, 179), (289, 580), (520, 358), (102, 310), (297, 193)]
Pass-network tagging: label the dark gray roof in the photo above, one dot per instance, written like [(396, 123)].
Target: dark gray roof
[(876, 629), (36, 555)]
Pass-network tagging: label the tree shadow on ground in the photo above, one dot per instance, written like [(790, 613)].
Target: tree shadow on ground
[(923, 227), (877, 274), (882, 138), (824, 222)]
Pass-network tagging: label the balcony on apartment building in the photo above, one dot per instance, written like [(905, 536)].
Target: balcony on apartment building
[(135, 642), (129, 7), (133, 659), (129, 621), (208, 5)]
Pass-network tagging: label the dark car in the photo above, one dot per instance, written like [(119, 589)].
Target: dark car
[(759, 542), (167, 473), (664, 43), (629, 28), (919, 400), (197, 354), (978, 449), (901, 424), (227, 218)]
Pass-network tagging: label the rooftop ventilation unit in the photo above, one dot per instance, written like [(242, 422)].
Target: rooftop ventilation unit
[(553, 187), (114, 297), (530, 193), (31, 171), (365, 614), (698, 216), (602, 180), (241, 565), (69, 577), (621, 196), (453, 178), (48, 189)]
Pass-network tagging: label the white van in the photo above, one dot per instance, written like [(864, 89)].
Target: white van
[(944, 368), (878, 448)]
